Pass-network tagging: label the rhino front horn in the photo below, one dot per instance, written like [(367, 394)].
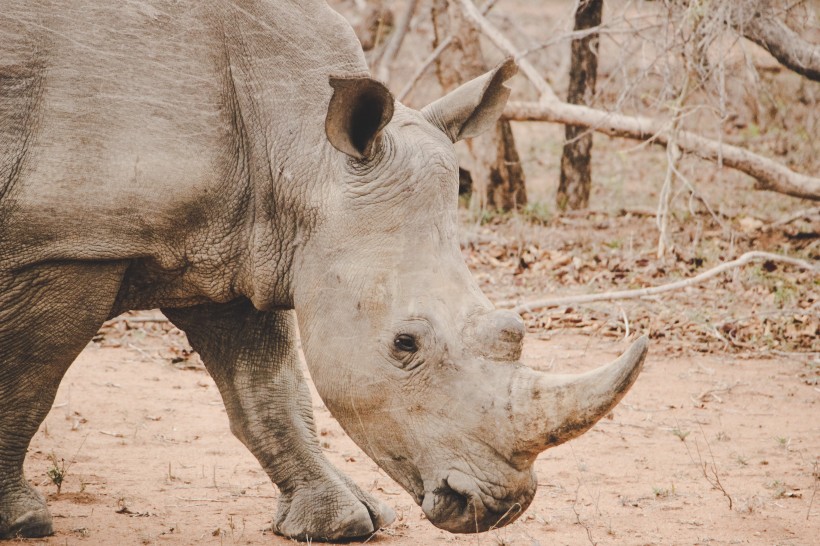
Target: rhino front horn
[(550, 409)]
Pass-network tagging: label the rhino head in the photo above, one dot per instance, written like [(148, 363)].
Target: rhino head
[(406, 352)]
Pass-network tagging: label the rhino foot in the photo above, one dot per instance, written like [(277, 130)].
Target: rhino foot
[(335, 510), (24, 514)]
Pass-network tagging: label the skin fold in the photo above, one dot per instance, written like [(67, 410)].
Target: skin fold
[(233, 163)]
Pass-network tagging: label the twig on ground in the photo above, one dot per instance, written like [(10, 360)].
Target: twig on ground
[(136, 320), (578, 516), (797, 355), (713, 393), (190, 499), (631, 211), (650, 291), (728, 339), (805, 213), (816, 474), (472, 13), (714, 478), (501, 521), (145, 354)]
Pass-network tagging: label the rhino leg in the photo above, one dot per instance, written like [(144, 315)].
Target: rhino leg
[(253, 358), (47, 316)]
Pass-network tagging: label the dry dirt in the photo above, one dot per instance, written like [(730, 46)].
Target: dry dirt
[(149, 457)]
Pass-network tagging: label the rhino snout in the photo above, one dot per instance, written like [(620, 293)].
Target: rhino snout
[(459, 504)]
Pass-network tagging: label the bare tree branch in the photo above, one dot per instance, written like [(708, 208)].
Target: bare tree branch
[(788, 47), (428, 62), (769, 174), (744, 259), (389, 54), (472, 13)]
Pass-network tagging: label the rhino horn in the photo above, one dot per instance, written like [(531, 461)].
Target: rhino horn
[(555, 408)]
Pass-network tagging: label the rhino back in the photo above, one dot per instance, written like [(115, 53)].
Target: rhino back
[(132, 129)]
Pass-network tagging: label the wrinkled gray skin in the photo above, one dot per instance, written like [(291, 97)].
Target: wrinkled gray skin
[(231, 162)]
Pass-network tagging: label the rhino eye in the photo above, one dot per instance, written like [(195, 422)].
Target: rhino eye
[(406, 343)]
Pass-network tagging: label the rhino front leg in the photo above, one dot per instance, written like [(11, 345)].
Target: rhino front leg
[(252, 356), (48, 314)]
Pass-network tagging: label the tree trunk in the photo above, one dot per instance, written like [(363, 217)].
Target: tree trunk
[(576, 174), (506, 190), (493, 165)]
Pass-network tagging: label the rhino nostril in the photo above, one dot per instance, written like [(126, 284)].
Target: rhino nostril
[(460, 484), (457, 500), (457, 505), (443, 505), (510, 335)]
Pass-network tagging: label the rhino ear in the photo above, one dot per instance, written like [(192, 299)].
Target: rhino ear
[(474, 107), (358, 111)]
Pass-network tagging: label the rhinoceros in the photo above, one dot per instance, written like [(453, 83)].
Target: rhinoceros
[(234, 164)]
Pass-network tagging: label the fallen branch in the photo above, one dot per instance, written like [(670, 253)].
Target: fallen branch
[(744, 259), (472, 13), (769, 174), (807, 213)]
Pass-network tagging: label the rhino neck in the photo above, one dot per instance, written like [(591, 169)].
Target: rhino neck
[(278, 64)]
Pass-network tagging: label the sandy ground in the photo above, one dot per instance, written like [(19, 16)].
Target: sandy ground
[(150, 458)]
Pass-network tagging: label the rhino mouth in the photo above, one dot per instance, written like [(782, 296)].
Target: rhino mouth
[(458, 505)]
